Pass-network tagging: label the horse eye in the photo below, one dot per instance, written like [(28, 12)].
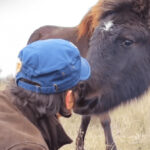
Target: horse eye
[(127, 43)]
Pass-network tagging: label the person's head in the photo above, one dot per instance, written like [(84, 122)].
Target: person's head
[(50, 67)]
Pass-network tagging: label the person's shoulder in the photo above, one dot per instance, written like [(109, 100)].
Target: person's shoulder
[(4, 95), (28, 146), (16, 128)]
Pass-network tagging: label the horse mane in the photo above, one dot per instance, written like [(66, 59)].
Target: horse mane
[(90, 20)]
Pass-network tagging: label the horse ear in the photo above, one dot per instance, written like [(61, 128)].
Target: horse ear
[(148, 18), (141, 7), (148, 14)]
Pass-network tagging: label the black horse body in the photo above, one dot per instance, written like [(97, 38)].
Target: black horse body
[(119, 56)]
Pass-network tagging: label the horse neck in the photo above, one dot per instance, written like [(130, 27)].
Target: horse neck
[(83, 45), (71, 34), (66, 33)]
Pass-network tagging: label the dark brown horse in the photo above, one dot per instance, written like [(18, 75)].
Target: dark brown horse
[(108, 23)]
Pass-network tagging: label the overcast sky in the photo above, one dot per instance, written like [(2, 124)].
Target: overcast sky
[(19, 18)]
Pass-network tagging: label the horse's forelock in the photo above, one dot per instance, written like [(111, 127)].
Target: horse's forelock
[(91, 19)]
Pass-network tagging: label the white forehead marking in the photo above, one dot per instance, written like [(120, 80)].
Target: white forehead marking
[(108, 25)]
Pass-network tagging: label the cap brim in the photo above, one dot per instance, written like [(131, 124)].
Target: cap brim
[(85, 69)]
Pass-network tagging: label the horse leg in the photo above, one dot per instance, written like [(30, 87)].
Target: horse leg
[(82, 131), (105, 122)]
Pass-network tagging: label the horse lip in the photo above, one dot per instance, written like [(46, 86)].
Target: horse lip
[(65, 113)]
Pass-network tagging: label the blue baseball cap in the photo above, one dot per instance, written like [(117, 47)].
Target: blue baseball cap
[(55, 65)]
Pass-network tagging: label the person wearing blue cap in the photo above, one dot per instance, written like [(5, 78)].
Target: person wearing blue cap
[(28, 107)]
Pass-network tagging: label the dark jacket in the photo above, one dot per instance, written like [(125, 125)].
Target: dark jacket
[(18, 131)]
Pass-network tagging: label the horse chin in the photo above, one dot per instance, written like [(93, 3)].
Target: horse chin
[(65, 113)]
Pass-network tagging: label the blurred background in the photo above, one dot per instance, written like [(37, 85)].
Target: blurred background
[(19, 18)]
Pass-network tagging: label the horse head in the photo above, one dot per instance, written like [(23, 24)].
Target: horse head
[(119, 52)]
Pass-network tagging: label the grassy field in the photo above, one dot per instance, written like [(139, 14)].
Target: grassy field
[(130, 127)]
